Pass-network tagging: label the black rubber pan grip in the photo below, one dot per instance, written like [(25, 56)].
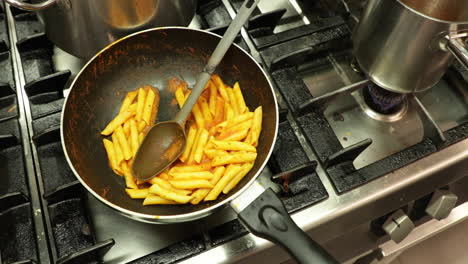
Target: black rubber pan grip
[(267, 218)]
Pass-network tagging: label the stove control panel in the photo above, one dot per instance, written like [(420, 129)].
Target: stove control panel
[(398, 225), (441, 204)]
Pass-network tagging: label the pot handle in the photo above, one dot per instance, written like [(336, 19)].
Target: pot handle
[(454, 44), (30, 7), (267, 218)]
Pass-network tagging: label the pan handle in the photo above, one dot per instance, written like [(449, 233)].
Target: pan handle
[(267, 218), (455, 45), (30, 7)]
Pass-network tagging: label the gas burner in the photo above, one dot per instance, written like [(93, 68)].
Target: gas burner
[(381, 104), (383, 101)]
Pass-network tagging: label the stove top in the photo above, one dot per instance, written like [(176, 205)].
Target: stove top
[(336, 162)]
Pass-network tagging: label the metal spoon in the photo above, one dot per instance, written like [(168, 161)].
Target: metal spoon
[(165, 141)]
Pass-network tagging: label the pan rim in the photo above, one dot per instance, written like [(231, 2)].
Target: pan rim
[(176, 218)]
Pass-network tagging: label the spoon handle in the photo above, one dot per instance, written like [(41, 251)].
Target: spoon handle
[(218, 54)]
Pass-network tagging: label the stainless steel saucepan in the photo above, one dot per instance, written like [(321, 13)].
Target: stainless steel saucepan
[(83, 27), (405, 46)]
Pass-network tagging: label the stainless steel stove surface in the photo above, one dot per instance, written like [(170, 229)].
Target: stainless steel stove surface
[(348, 168)]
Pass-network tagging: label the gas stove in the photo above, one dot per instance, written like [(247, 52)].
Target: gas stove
[(348, 155)]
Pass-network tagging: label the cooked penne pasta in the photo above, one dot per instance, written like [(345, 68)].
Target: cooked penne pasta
[(191, 168), (191, 184), (189, 143), (140, 104), (118, 121), (200, 146), (128, 101), (232, 101), (166, 185), (137, 193), (220, 147), (231, 172), (206, 175), (256, 126), (199, 119), (200, 194), (129, 179), (134, 136), (205, 109), (151, 104), (233, 145), (169, 195), (212, 100), (211, 153), (124, 143), (234, 158), (154, 199), (246, 167), (119, 157), (180, 96), (241, 106), (221, 87)]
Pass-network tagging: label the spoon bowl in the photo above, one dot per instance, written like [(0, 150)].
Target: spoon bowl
[(163, 144)]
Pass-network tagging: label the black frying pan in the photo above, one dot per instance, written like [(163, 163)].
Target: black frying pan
[(153, 57)]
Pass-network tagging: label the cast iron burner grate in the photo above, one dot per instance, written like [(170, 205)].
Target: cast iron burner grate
[(383, 101)]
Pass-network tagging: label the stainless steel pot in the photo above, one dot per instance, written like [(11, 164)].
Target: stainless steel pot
[(404, 45), (83, 27)]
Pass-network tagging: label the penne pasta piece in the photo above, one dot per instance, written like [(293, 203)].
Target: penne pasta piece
[(180, 96), (135, 142), (141, 126), (191, 168), (219, 111), (164, 183), (151, 105), (132, 108), (119, 157), (245, 168), (127, 153), (228, 112), (110, 150), (189, 143), (129, 179), (119, 120), (256, 126), (194, 147), (237, 135), (204, 175), (154, 199), (239, 119), (203, 138), (205, 109), (191, 184), (140, 104), (169, 195), (233, 145), (221, 87), (212, 99), (200, 194), (128, 101), (141, 136), (241, 106), (229, 174), (137, 193), (198, 116), (211, 153), (232, 102), (234, 158), (126, 128)]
